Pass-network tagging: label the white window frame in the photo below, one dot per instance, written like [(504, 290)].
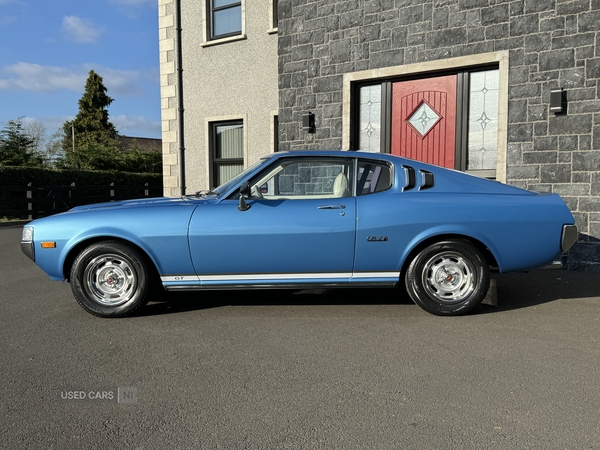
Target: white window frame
[(273, 21), (209, 40)]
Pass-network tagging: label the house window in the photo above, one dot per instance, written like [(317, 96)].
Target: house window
[(273, 16), (227, 150), (369, 133), (483, 120), (449, 120), (275, 13), (225, 18)]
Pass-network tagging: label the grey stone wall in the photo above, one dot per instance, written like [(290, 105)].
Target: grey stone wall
[(551, 43), (308, 179)]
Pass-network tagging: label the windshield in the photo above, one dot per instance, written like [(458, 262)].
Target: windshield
[(235, 180)]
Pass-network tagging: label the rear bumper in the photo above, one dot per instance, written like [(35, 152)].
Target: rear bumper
[(569, 237)]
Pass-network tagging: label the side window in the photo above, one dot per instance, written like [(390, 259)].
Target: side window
[(225, 17), (273, 16), (305, 179), (373, 177)]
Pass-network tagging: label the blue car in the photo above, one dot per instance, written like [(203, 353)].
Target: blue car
[(303, 220)]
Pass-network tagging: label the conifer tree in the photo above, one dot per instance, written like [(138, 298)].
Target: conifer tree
[(90, 140), (17, 147)]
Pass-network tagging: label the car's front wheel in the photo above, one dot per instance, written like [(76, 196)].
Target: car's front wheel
[(110, 279), (448, 278)]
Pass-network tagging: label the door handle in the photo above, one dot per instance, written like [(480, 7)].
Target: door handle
[(332, 207)]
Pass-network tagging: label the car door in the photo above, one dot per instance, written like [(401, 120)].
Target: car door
[(378, 215), (299, 228)]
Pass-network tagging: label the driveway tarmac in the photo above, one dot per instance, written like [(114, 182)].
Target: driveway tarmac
[(360, 369)]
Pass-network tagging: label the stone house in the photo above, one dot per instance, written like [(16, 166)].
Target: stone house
[(505, 89), (218, 75)]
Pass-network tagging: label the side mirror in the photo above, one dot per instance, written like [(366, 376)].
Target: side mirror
[(244, 193)]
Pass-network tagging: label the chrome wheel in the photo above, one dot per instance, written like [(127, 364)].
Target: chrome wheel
[(110, 280), (449, 277)]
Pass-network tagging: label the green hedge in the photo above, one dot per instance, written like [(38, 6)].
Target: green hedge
[(54, 191), (20, 176)]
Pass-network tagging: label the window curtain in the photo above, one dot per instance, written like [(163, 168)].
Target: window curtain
[(230, 145)]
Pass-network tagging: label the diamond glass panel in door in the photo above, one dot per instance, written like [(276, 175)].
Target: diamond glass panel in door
[(369, 138), (483, 120), (229, 151), (424, 119)]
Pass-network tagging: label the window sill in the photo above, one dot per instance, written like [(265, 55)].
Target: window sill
[(272, 30), (224, 40)]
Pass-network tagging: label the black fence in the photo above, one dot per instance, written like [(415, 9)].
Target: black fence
[(33, 201)]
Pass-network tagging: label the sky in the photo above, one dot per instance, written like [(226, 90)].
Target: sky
[(47, 49)]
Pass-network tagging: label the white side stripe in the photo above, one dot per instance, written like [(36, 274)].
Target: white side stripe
[(279, 276)]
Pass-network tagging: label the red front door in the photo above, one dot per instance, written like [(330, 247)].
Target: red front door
[(424, 120)]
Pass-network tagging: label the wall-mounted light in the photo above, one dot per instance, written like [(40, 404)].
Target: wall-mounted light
[(558, 101), (308, 122)]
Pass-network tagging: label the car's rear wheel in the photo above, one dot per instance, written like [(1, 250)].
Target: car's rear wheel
[(448, 278), (110, 279)]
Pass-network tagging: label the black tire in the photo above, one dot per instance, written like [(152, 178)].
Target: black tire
[(448, 278), (111, 279)]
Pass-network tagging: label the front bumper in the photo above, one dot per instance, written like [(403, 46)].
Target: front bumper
[(27, 242), (27, 248)]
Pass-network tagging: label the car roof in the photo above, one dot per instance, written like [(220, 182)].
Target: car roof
[(339, 153), (394, 159)]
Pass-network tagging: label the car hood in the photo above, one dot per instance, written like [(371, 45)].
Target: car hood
[(143, 202)]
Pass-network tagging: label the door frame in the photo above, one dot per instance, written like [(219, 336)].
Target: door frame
[(496, 60), (462, 110)]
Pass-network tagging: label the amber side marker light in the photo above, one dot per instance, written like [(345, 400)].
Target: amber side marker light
[(48, 244)]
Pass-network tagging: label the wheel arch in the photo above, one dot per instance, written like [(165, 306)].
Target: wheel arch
[(80, 246), (489, 256)]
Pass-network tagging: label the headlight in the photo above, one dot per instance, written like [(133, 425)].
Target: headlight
[(27, 234)]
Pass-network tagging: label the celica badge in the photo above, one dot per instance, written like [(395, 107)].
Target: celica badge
[(377, 238)]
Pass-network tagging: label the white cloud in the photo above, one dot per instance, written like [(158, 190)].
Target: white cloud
[(5, 19), (136, 126), (52, 123), (37, 78), (80, 30), (124, 82)]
